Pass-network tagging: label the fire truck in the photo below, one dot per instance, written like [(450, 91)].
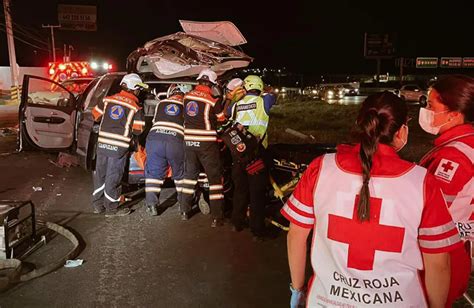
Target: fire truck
[(61, 71)]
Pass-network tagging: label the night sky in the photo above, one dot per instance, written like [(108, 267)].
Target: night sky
[(305, 36)]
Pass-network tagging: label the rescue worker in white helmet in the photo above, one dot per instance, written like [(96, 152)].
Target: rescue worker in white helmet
[(201, 112), (165, 146), (120, 116), (251, 178)]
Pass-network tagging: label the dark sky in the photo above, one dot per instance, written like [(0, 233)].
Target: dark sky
[(304, 36)]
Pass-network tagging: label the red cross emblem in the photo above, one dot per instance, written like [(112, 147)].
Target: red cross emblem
[(364, 238), (447, 166)]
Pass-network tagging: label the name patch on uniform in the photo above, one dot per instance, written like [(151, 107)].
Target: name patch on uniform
[(446, 169), (108, 147), (246, 107), (172, 110), (193, 143), (116, 112), (192, 109)]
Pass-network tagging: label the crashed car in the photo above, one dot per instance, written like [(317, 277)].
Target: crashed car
[(54, 118)]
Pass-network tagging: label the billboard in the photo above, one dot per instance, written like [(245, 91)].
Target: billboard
[(77, 17), (379, 45)]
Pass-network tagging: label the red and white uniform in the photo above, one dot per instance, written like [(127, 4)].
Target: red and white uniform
[(452, 163), (374, 263)]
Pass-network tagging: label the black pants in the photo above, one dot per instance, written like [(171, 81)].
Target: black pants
[(249, 188), (107, 181), (206, 155)]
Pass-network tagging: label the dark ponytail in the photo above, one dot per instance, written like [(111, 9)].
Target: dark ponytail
[(381, 115)]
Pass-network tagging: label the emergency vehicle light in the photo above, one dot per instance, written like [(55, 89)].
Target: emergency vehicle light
[(62, 67), (51, 71), (84, 71)]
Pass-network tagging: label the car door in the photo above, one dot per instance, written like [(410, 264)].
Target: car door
[(47, 115)]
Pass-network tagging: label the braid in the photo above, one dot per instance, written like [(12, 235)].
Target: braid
[(369, 141)]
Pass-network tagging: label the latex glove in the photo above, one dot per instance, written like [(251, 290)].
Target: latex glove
[(298, 298)]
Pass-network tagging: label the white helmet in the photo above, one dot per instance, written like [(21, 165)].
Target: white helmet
[(208, 74), (133, 82), (234, 83)]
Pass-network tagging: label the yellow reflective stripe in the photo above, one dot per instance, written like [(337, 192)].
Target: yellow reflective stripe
[(169, 124), (216, 197), (114, 101), (153, 181), (187, 191), (189, 182), (152, 189), (200, 99), (196, 138), (216, 187), (115, 136), (113, 142), (200, 132)]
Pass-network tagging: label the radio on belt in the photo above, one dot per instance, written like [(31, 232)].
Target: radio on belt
[(17, 227)]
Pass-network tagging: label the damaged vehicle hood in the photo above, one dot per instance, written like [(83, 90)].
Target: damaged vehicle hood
[(184, 54)]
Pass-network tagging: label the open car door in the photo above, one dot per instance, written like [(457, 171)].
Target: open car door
[(47, 115)]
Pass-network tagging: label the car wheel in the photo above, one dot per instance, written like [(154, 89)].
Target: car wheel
[(422, 101)]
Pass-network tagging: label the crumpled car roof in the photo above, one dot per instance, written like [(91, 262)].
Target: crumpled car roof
[(182, 55)]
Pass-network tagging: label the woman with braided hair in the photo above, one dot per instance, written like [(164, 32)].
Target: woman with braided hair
[(378, 221)]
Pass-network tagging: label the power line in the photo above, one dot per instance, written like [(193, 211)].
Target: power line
[(3, 29), (26, 34)]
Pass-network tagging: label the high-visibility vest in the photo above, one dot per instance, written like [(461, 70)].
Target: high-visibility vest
[(250, 112)]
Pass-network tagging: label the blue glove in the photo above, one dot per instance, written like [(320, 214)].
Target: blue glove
[(298, 298)]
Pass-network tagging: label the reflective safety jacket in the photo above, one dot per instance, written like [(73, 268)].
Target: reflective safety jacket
[(201, 112), (250, 112), (376, 262), (120, 117), (169, 118)]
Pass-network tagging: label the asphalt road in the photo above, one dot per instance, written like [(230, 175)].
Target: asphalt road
[(8, 115), (138, 260)]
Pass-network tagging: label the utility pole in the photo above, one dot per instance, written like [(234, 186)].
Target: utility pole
[(11, 43), (52, 38)]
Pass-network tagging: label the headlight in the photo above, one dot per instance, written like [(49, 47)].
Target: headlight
[(105, 66), (94, 65)]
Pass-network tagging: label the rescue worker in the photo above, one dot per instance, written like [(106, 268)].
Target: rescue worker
[(449, 114), (378, 220), (165, 147), (120, 116), (201, 112), (250, 179)]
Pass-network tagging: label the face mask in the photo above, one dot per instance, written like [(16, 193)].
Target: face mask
[(404, 141), (426, 119)]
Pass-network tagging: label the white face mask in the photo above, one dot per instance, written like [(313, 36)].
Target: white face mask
[(426, 118), (404, 141)]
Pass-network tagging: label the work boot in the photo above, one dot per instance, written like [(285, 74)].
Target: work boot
[(99, 210), (118, 212), (152, 210)]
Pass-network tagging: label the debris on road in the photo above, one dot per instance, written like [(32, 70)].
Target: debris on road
[(9, 131), (65, 160), (37, 188), (74, 263), (297, 133)]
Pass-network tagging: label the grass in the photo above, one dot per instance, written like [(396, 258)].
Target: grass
[(335, 124)]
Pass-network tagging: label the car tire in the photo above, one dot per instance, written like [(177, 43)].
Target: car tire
[(422, 101)]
